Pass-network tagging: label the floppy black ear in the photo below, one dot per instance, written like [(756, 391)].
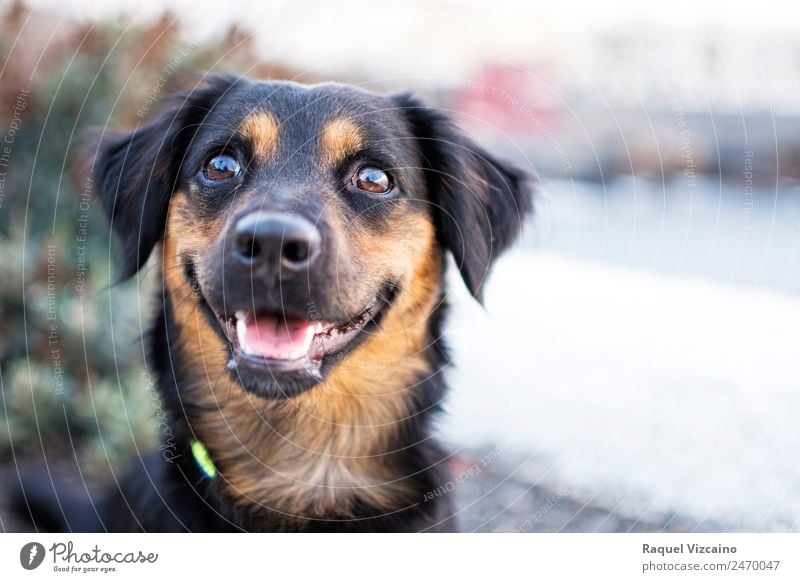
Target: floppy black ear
[(136, 172), (479, 203)]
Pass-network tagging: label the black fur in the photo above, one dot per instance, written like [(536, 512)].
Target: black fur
[(136, 172), (479, 203), (478, 206)]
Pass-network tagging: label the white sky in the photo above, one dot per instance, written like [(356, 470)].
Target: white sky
[(379, 31), (582, 14), (442, 42)]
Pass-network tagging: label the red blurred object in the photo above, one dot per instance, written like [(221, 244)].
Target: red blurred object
[(514, 100)]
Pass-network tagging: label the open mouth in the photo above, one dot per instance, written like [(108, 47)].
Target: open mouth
[(275, 343)]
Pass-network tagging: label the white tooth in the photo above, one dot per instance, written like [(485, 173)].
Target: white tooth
[(241, 332)]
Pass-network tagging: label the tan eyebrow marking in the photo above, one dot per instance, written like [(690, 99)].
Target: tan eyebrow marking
[(261, 129), (340, 137)]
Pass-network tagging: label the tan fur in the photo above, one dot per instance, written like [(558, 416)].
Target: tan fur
[(315, 454), (340, 137), (261, 130), (193, 231)]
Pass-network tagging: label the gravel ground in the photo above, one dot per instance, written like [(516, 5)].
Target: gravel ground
[(509, 493), (514, 494)]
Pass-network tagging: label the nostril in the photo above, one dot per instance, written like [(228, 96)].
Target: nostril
[(253, 249), (296, 251), (247, 245)]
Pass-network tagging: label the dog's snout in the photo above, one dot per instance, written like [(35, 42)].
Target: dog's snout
[(272, 239)]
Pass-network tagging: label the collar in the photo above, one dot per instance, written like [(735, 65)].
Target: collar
[(203, 459)]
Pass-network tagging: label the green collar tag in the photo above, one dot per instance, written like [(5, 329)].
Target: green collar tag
[(203, 459)]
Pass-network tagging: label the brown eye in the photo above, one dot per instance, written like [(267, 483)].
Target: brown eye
[(221, 167), (373, 180)]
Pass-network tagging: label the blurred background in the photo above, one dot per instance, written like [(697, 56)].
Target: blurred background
[(635, 367)]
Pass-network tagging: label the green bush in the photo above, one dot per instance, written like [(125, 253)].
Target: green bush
[(71, 376)]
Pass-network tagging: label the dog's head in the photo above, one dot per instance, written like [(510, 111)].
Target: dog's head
[(302, 219)]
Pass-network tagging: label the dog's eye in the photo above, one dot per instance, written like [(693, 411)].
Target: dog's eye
[(221, 167), (372, 179)]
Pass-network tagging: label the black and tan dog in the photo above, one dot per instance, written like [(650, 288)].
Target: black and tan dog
[(302, 232)]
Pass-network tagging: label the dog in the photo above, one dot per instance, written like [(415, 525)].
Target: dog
[(303, 234)]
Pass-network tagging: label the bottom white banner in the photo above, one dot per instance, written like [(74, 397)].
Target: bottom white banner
[(354, 557)]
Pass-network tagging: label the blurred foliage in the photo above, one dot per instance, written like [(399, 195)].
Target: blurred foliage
[(71, 376)]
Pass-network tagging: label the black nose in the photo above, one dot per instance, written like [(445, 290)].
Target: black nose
[(271, 239)]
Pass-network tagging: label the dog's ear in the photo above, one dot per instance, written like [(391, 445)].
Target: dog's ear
[(136, 172), (479, 203)]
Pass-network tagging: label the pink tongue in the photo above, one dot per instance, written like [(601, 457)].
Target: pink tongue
[(275, 339)]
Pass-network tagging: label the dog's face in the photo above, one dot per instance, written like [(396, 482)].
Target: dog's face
[(304, 218)]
